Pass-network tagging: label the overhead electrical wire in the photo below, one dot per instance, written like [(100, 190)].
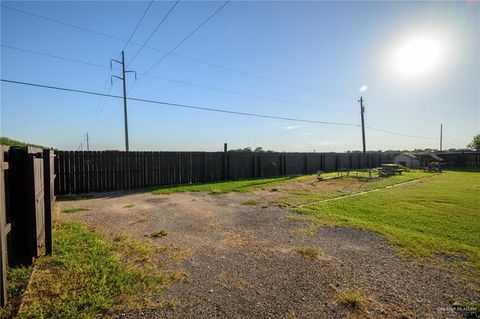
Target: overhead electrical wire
[(174, 48), (182, 81), (218, 66), (96, 117), (195, 84), (179, 105), (138, 24), (203, 108), (153, 32), (188, 36), (400, 134)]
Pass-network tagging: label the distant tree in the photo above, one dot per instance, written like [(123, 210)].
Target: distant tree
[(10, 142), (246, 149), (249, 150), (475, 144)]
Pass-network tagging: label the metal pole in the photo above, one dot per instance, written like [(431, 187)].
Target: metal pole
[(125, 101), (88, 145), (441, 136), (362, 110)]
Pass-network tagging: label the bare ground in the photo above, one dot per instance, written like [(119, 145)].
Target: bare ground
[(243, 262)]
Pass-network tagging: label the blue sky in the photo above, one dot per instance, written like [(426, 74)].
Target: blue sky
[(325, 51)]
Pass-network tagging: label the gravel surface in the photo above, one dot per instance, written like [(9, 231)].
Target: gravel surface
[(243, 261)]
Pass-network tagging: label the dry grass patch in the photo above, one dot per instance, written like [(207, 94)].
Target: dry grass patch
[(310, 252), (251, 202), (75, 210), (352, 299), (158, 234)]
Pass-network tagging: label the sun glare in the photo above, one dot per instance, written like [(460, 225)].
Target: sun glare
[(418, 56)]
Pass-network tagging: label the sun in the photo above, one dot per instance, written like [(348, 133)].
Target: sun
[(418, 56)]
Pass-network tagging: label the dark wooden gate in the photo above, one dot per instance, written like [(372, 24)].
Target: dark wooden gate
[(26, 200)]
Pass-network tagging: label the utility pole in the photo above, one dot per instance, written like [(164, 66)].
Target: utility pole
[(441, 136), (88, 144), (124, 80), (362, 110)]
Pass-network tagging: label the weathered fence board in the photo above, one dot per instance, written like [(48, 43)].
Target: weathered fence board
[(4, 229)]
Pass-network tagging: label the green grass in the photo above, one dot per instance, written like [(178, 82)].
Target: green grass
[(435, 216), (129, 206), (74, 210), (11, 142), (89, 277), (223, 187), (17, 282), (335, 187)]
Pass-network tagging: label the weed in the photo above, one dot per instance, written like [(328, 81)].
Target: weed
[(352, 299), (129, 206), (251, 202), (157, 234), (143, 219), (310, 252), (75, 210)]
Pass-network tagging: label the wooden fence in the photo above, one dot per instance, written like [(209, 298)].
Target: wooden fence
[(461, 159), (26, 193), (85, 172)]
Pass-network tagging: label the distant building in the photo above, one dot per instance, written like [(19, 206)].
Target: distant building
[(407, 160), (417, 160)]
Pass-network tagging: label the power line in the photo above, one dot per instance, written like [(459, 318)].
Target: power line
[(138, 24), (218, 66), (210, 109), (242, 93), (188, 36), (207, 108), (64, 23), (182, 81), (175, 80), (96, 117), (153, 32), (401, 134), (55, 56)]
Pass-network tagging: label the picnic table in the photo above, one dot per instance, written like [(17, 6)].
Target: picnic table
[(390, 169)]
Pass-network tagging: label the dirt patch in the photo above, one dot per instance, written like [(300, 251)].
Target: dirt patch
[(243, 261)]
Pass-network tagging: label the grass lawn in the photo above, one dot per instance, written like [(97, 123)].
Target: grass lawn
[(437, 215), (223, 187), (88, 276), (311, 190)]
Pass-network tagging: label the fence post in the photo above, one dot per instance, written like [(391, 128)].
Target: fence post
[(49, 196), (225, 161), (305, 167), (4, 229)]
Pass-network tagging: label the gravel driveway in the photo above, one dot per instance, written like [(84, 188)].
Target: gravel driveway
[(243, 261)]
